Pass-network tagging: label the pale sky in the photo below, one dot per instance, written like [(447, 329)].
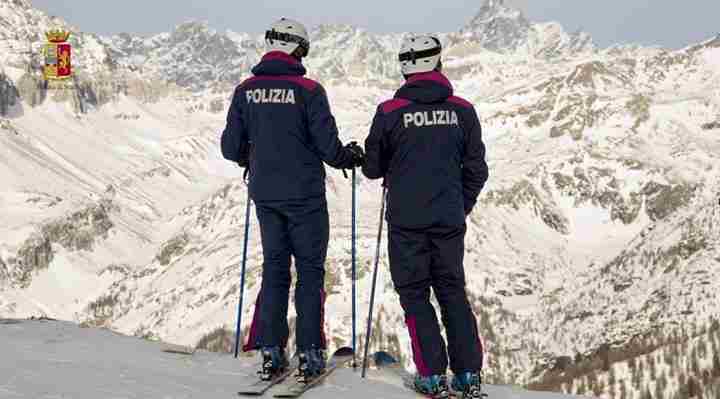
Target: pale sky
[(670, 23)]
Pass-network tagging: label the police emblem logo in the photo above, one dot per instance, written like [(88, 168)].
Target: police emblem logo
[(58, 52)]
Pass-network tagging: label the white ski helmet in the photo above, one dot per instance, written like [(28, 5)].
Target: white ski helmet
[(287, 35), (419, 54)]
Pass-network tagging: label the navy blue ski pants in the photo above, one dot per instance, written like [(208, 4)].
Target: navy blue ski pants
[(298, 228), (433, 258)]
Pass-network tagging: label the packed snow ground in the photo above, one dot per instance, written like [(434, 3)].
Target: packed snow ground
[(52, 360)]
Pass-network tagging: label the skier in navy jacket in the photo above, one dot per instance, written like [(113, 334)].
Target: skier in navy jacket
[(281, 129), (427, 145)]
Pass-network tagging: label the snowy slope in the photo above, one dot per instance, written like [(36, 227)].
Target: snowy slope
[(132, 174), (55, 359), (598, 224)]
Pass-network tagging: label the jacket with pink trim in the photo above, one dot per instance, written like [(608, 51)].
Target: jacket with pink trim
[(280, 125), (427, 145)]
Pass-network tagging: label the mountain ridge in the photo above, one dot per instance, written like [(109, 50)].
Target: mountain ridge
[(603, 164)]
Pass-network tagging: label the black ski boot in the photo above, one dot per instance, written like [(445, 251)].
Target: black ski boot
[(434, 386), (469, 385), (274, 362), (312, 364)]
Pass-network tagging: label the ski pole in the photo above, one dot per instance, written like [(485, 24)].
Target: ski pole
[(242, 275), (354, 269), (374, 283)]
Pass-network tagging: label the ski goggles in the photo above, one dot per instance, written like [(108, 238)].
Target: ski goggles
[(287, 37), (413, 55)]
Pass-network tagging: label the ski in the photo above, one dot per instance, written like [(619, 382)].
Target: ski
[(177, 349), (259, 387), (294, 389), (386, 361)]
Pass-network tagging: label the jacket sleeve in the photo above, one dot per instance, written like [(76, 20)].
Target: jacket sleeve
[(234, 141), (324, 131), (375, 165), (475, 169)]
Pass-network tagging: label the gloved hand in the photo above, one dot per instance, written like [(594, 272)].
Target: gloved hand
[(357, 153), (244, 157)]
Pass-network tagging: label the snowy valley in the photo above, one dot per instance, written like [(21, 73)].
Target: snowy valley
[(592, 259)]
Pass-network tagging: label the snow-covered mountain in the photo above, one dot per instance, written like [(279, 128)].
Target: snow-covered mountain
[(598, 227)]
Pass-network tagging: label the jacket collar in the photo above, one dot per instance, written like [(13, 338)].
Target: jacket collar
[(279, 63), (426, 88)]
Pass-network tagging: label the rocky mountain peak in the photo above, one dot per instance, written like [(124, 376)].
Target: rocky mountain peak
[(193, 26), (194, 32), (330, 29), (498, 26), (498, 9)]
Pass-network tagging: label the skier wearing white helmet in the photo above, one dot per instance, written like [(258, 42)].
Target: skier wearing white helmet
[(289, 37), (280, 128), (427, 145), (420, 54)]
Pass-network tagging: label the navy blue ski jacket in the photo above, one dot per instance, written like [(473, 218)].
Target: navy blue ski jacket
[(280, 124), (427, 145)]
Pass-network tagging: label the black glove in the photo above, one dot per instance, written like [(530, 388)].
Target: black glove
[(244, 157), (357, 154)]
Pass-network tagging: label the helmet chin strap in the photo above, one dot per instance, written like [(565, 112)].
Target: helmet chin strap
[(300, 53)]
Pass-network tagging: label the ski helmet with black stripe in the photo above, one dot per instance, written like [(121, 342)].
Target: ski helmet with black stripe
[(419, 54), (288, 36)]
